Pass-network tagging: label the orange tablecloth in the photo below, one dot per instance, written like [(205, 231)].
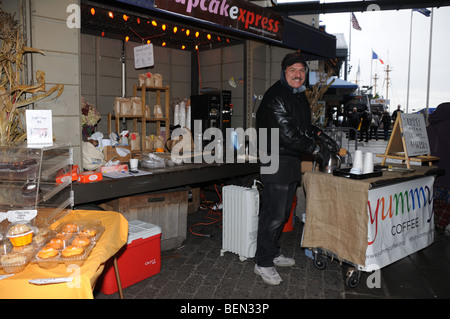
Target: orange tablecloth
[(85, 277)]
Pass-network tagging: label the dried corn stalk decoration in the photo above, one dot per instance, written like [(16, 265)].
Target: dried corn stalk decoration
[(14, 93), (316, 92)]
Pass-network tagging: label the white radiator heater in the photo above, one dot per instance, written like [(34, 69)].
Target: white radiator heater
[(240, 220)]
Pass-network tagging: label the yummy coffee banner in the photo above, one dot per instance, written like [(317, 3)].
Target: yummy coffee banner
[(400, 221)]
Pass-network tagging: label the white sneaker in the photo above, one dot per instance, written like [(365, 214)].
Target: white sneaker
[(283, 261), (269, 275)]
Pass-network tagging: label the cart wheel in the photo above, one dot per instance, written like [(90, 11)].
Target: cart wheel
[(353, 277), (320, 262)]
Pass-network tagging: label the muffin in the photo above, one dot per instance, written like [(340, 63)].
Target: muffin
[(56, 243), (81, 241), (88, 232), (72, 251), (70, 228), (64, 235), (20, 234), (47, 252), (47, 257), (28, 250), (13, 262)]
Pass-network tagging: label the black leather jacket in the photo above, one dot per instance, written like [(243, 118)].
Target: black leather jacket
[(290, 113)]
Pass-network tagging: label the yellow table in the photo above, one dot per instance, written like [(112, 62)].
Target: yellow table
[(85, 277)]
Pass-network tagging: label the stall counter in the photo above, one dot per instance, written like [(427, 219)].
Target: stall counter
[(338, 212)]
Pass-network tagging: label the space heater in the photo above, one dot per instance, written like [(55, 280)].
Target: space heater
[(240, 220)]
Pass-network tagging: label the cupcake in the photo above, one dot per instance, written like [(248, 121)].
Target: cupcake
[(70, 228), (13, 262), (81, 241), (20, 234), (73, 255), (88, 232), (64, 235), (56, 243), (47, 257)]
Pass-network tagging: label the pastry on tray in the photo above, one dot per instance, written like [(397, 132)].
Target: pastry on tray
[(72, 251), (81, 241)]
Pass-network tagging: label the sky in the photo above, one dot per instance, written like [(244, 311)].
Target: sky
[(387, 33)]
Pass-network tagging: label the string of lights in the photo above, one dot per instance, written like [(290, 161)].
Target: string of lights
[(119, 25)]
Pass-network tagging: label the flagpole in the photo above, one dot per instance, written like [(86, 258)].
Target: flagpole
[(409, 63), (429, 64), (350, 43), (371, 63)]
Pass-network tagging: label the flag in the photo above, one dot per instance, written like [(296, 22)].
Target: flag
[(355, 23), (375, 57), (424, 11)]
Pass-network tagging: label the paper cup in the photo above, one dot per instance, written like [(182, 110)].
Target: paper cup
[(355, 170), (134, 164), (368, 163), (358, 161)]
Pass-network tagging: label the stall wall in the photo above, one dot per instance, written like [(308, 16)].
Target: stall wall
[(102, 74), (46, 28), (224, 69)]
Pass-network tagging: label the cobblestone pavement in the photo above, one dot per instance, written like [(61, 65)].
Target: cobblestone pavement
[(198, 271)]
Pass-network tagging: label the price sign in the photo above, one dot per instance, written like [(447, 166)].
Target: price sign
[(143, 56)]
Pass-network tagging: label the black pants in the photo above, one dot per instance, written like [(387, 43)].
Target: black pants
[(276, 203)]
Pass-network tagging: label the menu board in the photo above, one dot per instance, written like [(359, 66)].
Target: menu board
[(415, 134)]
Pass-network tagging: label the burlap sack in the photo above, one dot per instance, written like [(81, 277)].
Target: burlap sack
[(336, 216)]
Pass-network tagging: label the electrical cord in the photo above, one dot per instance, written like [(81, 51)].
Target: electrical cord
[(214, 213)]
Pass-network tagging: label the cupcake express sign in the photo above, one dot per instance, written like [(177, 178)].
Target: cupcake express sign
[(400, 221), (237, 14)]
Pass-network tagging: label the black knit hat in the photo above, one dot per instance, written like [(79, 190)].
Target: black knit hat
[(292, 58)]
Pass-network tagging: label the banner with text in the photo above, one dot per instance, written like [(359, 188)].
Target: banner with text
[(237, 14), (400, 221)]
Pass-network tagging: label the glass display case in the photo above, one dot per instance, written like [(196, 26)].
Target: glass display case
[(36, 181)]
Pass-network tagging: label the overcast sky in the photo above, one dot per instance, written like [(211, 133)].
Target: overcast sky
[(388, 34)]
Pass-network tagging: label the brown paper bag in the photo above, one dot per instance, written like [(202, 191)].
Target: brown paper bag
[(125, 107), (136, 106), (157, 112), (157, 80), (135, 141)]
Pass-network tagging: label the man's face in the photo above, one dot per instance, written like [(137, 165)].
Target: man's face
[(295, 75)]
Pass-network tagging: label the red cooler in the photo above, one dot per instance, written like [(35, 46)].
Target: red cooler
[(139, 259)]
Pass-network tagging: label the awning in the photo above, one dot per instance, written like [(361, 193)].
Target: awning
[(337, 84), (313, 43)]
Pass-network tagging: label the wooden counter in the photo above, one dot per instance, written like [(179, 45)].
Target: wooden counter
[(160, 179)]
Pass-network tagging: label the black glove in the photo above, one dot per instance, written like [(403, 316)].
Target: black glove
[(331, 144), (323, 155)]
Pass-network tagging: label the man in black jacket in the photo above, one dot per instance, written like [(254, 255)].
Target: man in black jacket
[(285, 108)]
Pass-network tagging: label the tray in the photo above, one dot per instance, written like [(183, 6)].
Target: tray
[(80, 226), (345, 172)]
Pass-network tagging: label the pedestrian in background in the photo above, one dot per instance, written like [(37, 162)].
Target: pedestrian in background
[(386, 122)]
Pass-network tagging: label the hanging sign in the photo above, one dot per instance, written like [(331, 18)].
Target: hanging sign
[(236, 14), (143, 56)]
